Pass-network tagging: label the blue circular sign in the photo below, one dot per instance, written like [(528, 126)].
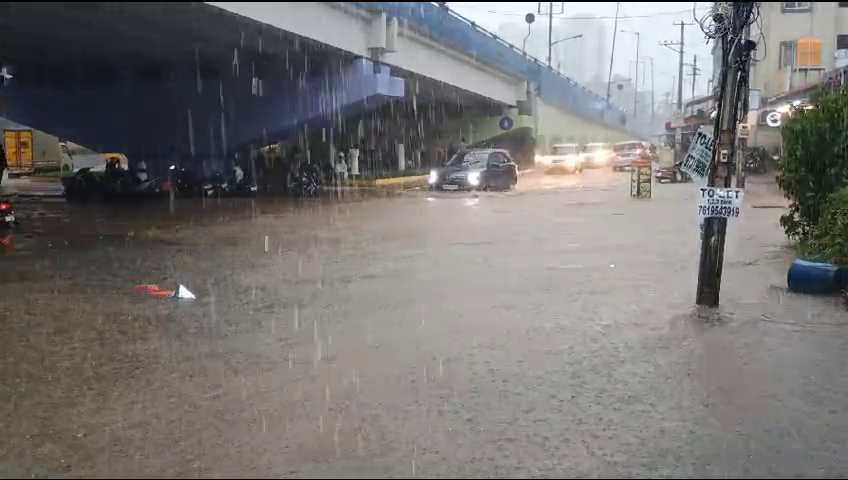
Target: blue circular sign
[(506, 123)]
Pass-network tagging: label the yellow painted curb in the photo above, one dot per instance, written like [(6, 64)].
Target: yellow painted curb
[(402, 181)]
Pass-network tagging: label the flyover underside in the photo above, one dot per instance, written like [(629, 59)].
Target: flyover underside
[(189, 81), (157, 79)]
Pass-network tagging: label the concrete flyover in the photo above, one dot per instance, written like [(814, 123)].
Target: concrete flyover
[(434, 42), (191, 81)]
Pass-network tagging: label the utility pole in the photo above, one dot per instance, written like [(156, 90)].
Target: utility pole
[(550, 30), (680, 47), (636, 76), (653, 100), (733, 91), (695, 72), (612, 53)]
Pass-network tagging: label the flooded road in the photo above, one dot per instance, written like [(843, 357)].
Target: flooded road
[(538, 333)]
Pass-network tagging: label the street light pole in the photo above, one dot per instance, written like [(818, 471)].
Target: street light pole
[(550, 30), (573, 37), (636, 76), (653, 100), (612, 53)]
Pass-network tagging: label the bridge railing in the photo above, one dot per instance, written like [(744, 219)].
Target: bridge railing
[(451, 29)]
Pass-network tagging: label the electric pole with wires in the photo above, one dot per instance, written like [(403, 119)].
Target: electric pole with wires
[(678, 47), (728, 22), (695, 72)]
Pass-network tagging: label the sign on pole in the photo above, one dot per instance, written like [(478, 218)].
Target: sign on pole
[(719, 202), (700, 155)]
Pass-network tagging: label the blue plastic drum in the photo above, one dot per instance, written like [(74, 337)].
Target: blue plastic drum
[(814, 277)]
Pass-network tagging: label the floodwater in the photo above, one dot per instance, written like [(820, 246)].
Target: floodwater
[(545, 332)]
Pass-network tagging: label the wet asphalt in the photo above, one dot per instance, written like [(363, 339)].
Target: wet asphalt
[(545, 332)]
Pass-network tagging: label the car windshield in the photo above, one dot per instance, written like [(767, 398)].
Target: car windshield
[(564, 149), (465, 159), (596, 147), (623, 147)]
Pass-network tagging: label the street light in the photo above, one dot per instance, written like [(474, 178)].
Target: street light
[(529, 18), (573, 37), (636, 76)]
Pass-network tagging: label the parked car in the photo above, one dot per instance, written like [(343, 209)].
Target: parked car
[(564, 158), (627, 152), (476, 169)]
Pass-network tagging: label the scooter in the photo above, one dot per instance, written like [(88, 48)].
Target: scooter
[(672, 174), (218, 186), (7, 214), (305, 182)]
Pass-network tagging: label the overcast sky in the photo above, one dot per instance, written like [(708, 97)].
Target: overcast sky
[(652, 19)]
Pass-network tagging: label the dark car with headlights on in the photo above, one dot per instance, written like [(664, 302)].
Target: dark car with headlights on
[(476, 169)]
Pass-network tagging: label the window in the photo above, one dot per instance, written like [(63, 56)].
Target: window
[(796, 7), (788, 54), (809, 53), (842, 42), (496, 160), (843, 4)]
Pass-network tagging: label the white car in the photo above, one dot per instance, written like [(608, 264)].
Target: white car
[(565, 157), (597, 155)]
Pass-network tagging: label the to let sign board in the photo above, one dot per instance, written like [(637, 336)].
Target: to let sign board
[(700, 155), (719, 202)]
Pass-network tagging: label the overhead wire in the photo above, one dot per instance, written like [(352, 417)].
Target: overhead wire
[(561, 16)]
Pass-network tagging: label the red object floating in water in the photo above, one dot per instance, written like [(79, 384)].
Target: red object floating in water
[(155, 291)]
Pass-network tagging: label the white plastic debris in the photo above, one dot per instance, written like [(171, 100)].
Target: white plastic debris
[(183, 292)]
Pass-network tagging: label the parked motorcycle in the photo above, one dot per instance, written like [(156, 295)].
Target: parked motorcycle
[(183, 182), (218, 186), (756, 160), (7, 215), (672, 174), (305, 182), (87, 183)]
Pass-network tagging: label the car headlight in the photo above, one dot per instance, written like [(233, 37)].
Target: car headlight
[(434, 177), (570, 162), (474, 178)]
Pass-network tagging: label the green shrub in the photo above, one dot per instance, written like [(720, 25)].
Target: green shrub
[(815, 161), (829, 239)]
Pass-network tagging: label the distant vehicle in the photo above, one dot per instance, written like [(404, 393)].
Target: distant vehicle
[(564, 157), (671, 174), (100, 182), (627, 152), (476, 169), (597, 155), (28, 151)]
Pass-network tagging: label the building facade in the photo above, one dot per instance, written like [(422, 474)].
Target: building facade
[(798, 42)]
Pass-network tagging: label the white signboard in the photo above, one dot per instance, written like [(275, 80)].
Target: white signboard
[(719, 202), (700, 156)]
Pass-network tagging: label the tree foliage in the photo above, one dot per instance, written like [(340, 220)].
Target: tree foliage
[(815, 161), (829, 238)]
